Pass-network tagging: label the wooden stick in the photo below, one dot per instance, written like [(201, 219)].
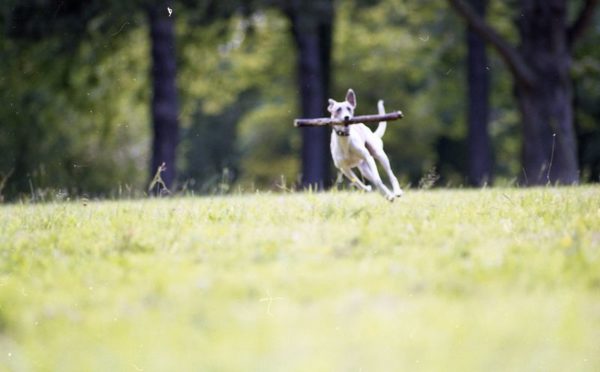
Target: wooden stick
[(395, 115)]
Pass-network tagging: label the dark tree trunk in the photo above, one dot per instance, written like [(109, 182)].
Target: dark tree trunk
[(541, 71), (164, 98), (588, 140), (549, 143), (312, 24), (479, 151)]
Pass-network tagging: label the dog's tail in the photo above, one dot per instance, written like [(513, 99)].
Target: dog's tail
[(380, 131)]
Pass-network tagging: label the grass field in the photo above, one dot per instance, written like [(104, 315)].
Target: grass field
[(444, 280)]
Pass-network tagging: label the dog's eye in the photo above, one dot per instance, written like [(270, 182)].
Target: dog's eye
[(338, 110)]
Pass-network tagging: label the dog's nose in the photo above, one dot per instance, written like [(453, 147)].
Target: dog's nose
[(346, 117)]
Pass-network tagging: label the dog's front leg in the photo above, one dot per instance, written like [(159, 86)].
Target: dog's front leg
[(349, 173)]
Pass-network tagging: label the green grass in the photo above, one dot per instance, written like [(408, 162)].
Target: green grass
[(492, 280)]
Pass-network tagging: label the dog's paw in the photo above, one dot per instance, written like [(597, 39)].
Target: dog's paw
[(398, 193), (368, 188), (390, 198)]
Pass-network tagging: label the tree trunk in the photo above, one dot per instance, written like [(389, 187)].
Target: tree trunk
[(311, 25), (549, 152), (164, 98), (541, 71), (479, 152)]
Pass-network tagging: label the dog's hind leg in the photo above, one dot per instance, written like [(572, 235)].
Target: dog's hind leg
[(385, 163), (368, 168), (349, 173)]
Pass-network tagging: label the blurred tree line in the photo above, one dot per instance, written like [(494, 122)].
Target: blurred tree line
[(95, 95)]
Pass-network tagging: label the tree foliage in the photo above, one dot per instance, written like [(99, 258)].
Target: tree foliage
[(73, 113), (75, 92)]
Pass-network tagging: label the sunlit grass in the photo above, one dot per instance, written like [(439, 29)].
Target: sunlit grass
[(498, 279)]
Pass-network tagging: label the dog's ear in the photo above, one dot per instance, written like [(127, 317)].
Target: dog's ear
[(331, 103), (351, 97)]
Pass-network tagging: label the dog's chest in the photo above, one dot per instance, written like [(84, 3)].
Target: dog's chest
[(345, 152)]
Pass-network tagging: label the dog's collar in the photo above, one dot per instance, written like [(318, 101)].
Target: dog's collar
[(341, 133)]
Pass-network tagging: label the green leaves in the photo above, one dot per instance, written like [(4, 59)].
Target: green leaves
[(75, 93)]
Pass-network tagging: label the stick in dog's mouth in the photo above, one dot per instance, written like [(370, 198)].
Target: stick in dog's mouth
[(394, 115)]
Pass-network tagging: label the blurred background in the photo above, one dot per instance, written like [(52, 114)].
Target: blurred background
[(95, 95)]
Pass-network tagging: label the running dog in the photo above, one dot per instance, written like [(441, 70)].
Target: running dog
[(357, 146)]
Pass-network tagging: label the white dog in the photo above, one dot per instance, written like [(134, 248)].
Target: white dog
[(356, 145)]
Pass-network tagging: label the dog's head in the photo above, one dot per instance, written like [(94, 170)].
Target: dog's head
[(342, 110)]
